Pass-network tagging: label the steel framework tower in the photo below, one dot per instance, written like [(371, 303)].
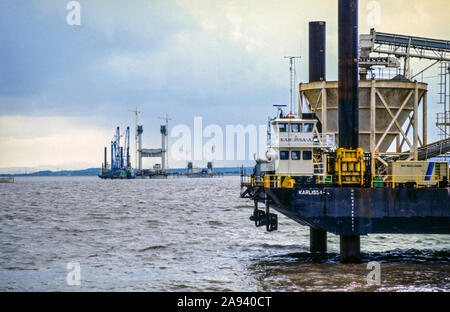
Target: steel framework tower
[(443, 119), (127, 147), (116, 155)]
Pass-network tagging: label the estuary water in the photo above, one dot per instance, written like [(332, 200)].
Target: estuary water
[(184, 235)]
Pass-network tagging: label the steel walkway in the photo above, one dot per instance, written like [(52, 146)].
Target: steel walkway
[(431, 150)]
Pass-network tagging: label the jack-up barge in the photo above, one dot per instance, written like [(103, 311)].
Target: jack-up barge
[(333, 173)]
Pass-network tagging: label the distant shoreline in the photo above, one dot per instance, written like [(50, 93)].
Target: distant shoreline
[(95, 171)]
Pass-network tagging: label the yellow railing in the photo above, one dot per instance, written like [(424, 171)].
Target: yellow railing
[(272, 181), (393, 179), (325, 179), (268, 181)]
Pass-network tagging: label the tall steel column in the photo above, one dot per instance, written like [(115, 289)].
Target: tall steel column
[(121, 158), (348, 74), (317, 72), (317, 51), (348, 101), (140, 130), (106, 154), (112, 156), (127, 146), (350, 246), (164, 148), (317, 240)]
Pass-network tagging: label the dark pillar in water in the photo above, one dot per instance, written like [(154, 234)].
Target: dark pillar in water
[(105, 163), (317, 46), (317, 240), (112, 157), (350, 249), (317, 72), (348, 102), (121, 157), (348, 74)]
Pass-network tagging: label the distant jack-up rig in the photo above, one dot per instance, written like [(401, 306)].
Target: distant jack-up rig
[(120, 165)]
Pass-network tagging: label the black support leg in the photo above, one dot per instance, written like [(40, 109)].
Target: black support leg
[(350, 249), (317, 240)]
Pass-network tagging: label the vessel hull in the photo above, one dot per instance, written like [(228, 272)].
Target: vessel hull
[(358, 211)]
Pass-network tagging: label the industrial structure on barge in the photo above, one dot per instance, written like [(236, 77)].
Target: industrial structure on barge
[(122, 169), (159, 171), (120, 166), (333, 168)]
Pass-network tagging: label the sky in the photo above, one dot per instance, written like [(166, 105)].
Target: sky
[(64, 89)]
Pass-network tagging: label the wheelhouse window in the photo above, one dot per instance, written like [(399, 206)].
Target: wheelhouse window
[(308, 127), (296, 128), (296, 155), (284, 155), (283, 127), (307, 155)]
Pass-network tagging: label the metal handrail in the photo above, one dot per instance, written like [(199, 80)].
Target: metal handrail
[(252, 180), (391, 179), (247, 179), (271, 181), (325, 140)]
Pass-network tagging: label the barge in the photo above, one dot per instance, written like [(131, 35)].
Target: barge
[(332, 168)]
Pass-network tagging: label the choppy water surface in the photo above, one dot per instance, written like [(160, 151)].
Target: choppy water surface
[(185, 235)]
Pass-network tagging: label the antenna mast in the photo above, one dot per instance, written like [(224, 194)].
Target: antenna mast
[(292, 80)]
